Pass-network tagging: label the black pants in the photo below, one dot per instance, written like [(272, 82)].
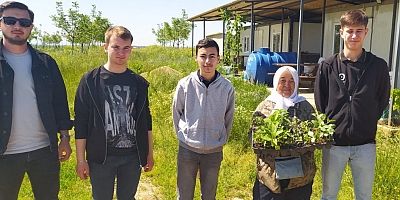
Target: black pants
[(262, 192), (42, 167)]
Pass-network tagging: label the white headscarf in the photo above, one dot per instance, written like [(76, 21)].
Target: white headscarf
[(280, 101)]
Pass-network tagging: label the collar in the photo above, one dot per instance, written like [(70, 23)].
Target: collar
[(362, 58), (204, 80)]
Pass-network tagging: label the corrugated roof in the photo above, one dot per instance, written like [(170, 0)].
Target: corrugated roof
[(273, 10)]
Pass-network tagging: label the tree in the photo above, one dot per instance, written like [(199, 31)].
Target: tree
[(184, 28), (99, 26), (67, 23), (36, 35), (83, 30), (160, 34), (168, 33), (46, 39), (56, 39), (176, 33), (232, 45)]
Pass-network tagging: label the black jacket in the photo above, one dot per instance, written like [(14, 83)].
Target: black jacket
[(50, 92), (89, 116), (356, 114)]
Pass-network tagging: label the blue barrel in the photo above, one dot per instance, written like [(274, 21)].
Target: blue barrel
[(259, 64)]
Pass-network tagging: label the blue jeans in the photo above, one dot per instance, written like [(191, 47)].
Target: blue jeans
[(189, 163), (42, 167), (127, 171), (362, 164)]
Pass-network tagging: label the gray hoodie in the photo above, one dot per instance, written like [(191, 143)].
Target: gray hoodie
[(203, 116)]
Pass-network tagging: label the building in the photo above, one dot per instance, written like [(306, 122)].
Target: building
[(276, 24)]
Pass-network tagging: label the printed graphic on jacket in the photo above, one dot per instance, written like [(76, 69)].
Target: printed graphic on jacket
[(342, 77), (119, 123)]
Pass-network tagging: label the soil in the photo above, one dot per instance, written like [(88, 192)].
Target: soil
[(146, 190)]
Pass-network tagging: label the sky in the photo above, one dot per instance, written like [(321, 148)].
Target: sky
[(139, 16)]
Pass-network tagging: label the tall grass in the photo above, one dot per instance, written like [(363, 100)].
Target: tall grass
[(238, 167)]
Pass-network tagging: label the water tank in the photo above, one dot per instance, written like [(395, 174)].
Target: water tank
[(259, 64)]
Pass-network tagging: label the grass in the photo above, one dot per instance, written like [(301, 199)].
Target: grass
[(238, 167)]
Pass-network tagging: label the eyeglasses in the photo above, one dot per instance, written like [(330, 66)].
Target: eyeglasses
[(12, 20)]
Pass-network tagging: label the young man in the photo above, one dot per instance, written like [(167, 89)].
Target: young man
[(34, 108), (113, 122), (202, 111), (352, 87)]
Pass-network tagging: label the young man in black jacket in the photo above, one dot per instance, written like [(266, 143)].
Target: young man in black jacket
[(352, 87), (33, 107), (113, 122)]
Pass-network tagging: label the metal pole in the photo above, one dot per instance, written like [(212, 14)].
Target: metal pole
[(204, 28), (283, 13), (393, 33), (321, 50), (223, 39), (290, 43), (395, 68), (252, 28), (192, 38), (269, 35), (299, 39)]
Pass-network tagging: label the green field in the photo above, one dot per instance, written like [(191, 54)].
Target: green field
[(238, 167)]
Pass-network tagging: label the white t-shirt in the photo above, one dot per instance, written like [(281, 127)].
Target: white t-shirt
[(27, 130)]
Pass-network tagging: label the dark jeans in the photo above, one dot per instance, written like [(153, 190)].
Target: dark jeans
[(42, 167), (189, 163), (262, 192), (102, 177)]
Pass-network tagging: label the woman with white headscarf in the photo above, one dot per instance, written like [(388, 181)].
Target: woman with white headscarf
[(284, 96)]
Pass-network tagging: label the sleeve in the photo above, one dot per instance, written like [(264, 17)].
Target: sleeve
[(59, 98), (383, 91), (230, 111), (321, 88), (82, 110), (148, 116), (178, 105)]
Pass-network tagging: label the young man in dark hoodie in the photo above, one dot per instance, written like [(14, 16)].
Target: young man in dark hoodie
[(113, 122), (352, 87)]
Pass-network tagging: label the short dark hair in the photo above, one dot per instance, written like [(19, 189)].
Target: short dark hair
[(14, 4), (354, 17), (206, 43)]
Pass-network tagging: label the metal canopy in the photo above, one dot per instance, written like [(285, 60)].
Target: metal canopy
[(267, 11)]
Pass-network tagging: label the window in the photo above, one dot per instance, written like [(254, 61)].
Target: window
[(337, 40), (246, 44), (276, 42)]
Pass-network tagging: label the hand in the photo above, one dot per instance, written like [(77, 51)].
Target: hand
[(150, 163), (64, 150), (82, 169)]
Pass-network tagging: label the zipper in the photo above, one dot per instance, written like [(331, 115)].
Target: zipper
[(351, 100), (102, 119), (343, 86), (352, 94), (205, 117), (137, 148)]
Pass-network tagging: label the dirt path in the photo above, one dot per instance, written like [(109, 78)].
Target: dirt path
[(146, 190)]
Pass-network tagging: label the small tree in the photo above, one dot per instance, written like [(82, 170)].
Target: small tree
[(36, 35), (68, 23), (232, 45), (175, 33)]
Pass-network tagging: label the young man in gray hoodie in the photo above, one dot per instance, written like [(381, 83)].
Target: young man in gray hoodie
[(202, 111)]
